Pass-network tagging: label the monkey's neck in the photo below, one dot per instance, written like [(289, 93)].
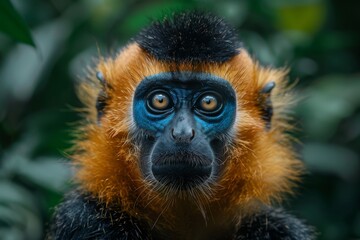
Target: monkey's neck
[(187, 220)]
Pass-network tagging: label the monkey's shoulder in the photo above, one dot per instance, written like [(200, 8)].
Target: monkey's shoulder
[(81, 216), (274, 223)]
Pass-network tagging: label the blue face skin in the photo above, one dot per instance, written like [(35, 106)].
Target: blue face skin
[(184, 115), (185, 91)]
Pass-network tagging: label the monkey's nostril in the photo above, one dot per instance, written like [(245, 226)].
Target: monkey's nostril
[(176, 135), (193, 134), (172, 134)]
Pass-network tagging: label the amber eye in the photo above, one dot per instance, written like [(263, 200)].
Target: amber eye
[(159, 102), (209, 103)]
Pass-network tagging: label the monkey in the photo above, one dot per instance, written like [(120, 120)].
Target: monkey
[(185, 137)]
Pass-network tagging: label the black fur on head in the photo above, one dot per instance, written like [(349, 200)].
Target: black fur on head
[(190, 37)]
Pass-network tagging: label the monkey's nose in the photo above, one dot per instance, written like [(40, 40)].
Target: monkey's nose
[(183, 135)]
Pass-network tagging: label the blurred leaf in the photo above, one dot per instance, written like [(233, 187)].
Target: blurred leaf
[(47, 172), (50, 173), (305, 66), (19, 212), (235, 11), (25, 221), (12, 24), (20, 85), (7, 216), (12, 233), (328, 101), (331, 159), (258, 46), (154, 11), (357, 225), (15, 194), (49, 128), (304, 16)]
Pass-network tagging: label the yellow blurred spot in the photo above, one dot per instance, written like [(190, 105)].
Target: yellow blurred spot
[(308, 17)]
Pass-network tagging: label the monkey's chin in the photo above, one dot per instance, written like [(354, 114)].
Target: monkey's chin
[(181, 176)]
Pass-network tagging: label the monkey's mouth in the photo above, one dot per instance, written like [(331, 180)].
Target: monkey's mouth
[(181, 168), (181, 175)]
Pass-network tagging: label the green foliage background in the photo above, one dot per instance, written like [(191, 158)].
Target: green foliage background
[(318, 39)]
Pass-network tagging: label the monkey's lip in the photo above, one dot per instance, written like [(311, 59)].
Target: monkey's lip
[(181, 175)]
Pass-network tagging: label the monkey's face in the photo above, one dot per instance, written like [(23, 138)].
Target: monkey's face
[(183, 121), (164, 125)]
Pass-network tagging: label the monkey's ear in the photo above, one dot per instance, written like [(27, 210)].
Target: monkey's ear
[(102, 98), (101, 78), (265, 103)]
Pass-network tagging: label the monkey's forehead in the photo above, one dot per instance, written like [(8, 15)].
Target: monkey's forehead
[(185, 79), (134, 64), (190, 37)]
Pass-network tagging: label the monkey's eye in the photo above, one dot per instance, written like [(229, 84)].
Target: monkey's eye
[(159, 102), (209, 103)]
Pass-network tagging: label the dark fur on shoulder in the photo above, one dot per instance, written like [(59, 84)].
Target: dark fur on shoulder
[(272, 224), (190, 37), (80, 216)]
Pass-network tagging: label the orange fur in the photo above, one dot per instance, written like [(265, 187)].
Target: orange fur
[(260, 168)]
